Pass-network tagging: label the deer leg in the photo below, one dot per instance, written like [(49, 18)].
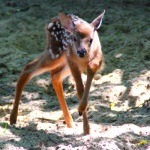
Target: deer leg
[(32, 69), (84, 101), (23, 79), (91, 70), (57, 84), (80, 90)]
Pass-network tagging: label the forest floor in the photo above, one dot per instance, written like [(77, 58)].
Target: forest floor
[(119, 100)]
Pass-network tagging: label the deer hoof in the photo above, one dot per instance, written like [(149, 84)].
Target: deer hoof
[(13, 118), (80, 113), (82, 108), (12, 121)]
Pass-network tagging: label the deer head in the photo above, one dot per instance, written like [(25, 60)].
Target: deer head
[(83, 32)]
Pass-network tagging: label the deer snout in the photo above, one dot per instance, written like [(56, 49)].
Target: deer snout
[(81, 52)]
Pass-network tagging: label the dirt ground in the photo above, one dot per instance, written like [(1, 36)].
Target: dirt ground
[(119, 100)]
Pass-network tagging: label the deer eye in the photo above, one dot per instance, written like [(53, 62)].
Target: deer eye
[(75, 39), (91, 40)]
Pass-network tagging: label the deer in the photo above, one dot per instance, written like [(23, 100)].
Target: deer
[(73, 47)]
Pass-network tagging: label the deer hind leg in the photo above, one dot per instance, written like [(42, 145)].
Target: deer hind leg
[(32, 69), (57, 78)]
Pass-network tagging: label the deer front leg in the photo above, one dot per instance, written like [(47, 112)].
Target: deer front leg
[(91, 70), (80, 90)]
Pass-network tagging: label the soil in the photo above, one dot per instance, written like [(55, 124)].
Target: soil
[(119, 100)]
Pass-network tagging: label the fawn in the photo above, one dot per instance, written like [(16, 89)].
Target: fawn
[(73, 47)]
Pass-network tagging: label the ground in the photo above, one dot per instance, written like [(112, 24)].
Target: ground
[(119, 100)]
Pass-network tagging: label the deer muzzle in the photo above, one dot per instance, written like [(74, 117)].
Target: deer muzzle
[(81, 52)]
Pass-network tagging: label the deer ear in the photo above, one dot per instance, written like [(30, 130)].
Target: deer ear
[(98, 21), (66, 22)]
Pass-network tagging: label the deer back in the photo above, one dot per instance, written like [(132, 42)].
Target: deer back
[(58, 39)]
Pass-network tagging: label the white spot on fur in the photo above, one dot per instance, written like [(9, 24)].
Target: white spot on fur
[(51, 54), (57, 55), (50, 25), (52, 33), (68, 53), (65, 43), (65, 35), (55, 35), (65, 47), (58, 25), (59, 48)]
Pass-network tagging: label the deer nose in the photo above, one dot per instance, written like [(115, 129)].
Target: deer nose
[(81, 52)]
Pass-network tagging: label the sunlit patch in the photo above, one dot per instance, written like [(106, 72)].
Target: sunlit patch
[(51, 115), (115, 77), (44, 83), (30, 95), (5, 110), (119, 55)]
